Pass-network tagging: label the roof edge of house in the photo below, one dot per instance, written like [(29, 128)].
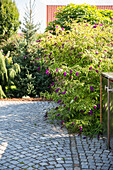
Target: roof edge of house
[(90, 2)]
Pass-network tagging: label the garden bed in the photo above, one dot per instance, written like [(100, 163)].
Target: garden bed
[(25, 99)]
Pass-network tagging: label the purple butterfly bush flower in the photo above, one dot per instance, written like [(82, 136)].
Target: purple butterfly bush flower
[(101, 24), (62, 28), (96, 52), (55, 43), (57, 90), (70, 71), (77, 74), (58, 115), (64, 105), (71, 47), (98, 105), (90, 68), (45, 55), (47, 71), (75, 98), (38, 68), (84, 137), (59, 48), (69, 109), (96, 23), (88, 113), (56, 108), (73, 123), (95, 107), (91, 112), (62, 122), (64, 92), (97, 71), (59, 101), (80, 128), (91, 88), (57, 26), (64, 74), (56, 69), (82, 111), (94, 26), (53, 83), (98, 136), (70, 77)]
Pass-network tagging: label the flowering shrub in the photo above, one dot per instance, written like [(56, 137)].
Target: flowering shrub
[(76, 60), (80, 13)]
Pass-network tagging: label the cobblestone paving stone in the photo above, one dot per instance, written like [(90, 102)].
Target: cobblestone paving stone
[(93, 153), (28, 141)]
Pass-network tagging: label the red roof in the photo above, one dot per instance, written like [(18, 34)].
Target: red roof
[(51, 9), (20, 34)]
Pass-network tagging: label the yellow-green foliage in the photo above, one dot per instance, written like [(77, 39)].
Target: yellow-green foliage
[(8, 71), (9, 18), (79, 13)]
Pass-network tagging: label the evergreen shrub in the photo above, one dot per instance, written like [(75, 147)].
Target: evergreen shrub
[(32, 79), (8, 71), (9, 19)]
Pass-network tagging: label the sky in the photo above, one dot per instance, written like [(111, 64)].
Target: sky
[(39, 12), (40, 8)]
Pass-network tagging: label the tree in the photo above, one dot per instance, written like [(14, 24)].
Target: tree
[(9, 18), (30, 28), (8, 71)]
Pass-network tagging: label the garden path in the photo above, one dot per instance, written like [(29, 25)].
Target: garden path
[(29, 141)]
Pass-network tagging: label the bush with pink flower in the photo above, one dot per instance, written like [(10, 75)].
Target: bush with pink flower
[(76, 59)]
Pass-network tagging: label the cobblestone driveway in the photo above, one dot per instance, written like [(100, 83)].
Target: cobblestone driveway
[(28, 141)]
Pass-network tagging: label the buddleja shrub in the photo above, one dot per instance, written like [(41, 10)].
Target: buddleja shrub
[(76, 59), (79, 13)]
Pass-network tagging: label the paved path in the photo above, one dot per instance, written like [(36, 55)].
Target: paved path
[(28, 141)]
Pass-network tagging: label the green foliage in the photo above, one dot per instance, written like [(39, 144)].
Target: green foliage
[(80, 13), (8, 71), (32, 80), (77, 60), (30, 28), (10, 43), (9, 19)]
